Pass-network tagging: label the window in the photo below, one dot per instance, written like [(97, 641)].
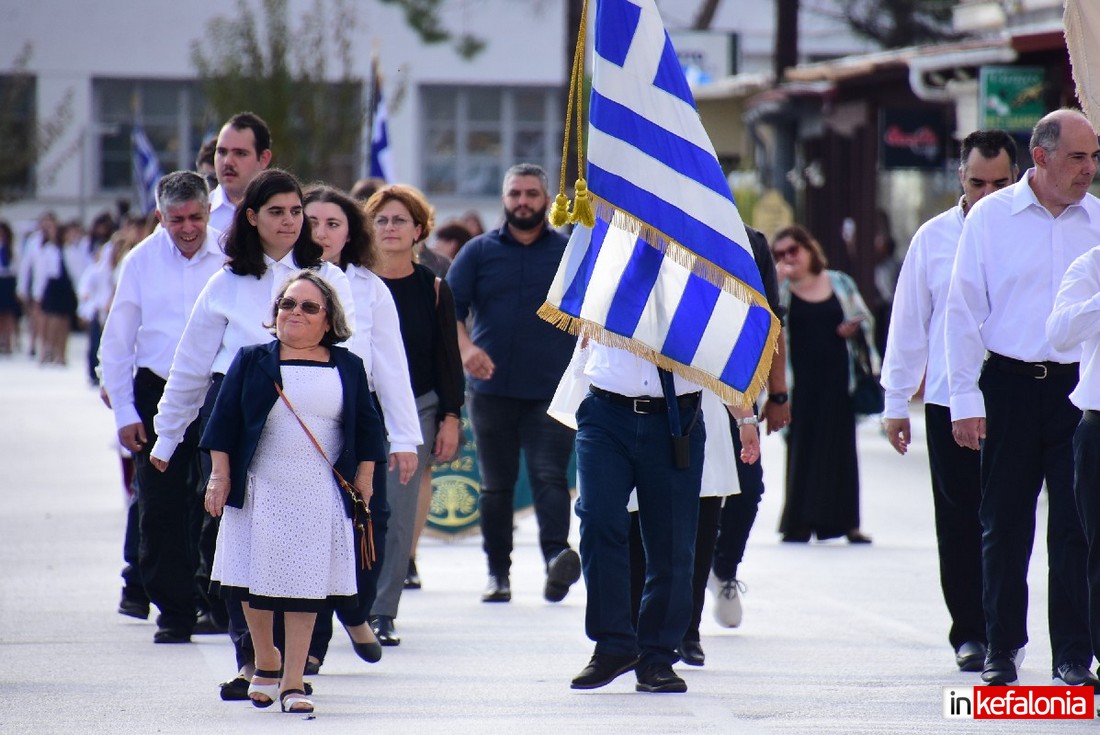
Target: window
[(473, 135), (17, 135), (171, 113)]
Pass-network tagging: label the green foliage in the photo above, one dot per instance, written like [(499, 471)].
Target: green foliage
[(263, 63), (423, 17)]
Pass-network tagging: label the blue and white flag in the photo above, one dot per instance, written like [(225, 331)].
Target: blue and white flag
[(667, 272), (381, 159), (146, 170)]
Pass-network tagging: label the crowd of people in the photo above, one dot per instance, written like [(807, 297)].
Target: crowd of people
[(284, 364)]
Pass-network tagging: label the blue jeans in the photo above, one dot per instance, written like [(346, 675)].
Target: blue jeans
[(502, 426), (617, 451)]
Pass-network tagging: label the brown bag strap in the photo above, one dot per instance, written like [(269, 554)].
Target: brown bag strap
[(366, 538)]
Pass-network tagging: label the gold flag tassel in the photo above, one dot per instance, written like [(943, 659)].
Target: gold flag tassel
[(582, 211)]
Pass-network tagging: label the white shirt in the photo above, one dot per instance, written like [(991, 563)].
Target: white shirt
[(916, 341), (157, 289), (47, 266), (230, 313), (28, 258), (378, 341), (221, 212), (1075, 324), (627, 374), (1012, 256)]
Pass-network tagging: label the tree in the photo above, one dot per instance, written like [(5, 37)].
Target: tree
[(281, 72), (900, 23), (23, 140)]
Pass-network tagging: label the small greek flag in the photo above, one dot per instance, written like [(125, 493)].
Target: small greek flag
[(667, 271), (381, 159), (146, 170)]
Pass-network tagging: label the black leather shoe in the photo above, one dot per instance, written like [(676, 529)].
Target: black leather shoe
[(313, 665), (562, 571), (1074, 674), (372, 652), (499, 589), (602, 669), (970, 656), (660, 678), (382, 625), (412, 577), (133, 608), (1000, 667), (691, 653), (171, 635), (206, 625)]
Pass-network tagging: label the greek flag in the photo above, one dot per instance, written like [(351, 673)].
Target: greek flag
[(381, 159), (146, 170), (667, 271)]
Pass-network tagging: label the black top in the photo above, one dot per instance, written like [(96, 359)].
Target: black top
[(430, 333)]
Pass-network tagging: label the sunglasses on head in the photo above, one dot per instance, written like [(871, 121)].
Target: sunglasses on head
[(308, 307)]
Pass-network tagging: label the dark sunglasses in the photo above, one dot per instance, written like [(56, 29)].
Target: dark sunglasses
[(782, 253), (308, 307)]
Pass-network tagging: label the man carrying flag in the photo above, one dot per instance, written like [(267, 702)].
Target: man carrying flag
[(661, 281)]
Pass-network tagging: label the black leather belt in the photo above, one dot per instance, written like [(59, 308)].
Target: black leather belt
[(646, 404), (1037, 370)]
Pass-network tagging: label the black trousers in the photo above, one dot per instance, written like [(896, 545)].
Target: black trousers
[(132, 588), (1086, 452), (738, 513), (170, 515), (956, 495), (1030, 425)]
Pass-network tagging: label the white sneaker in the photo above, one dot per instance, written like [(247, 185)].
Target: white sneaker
[(727, 601)]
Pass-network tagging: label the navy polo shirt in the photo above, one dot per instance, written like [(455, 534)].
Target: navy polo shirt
[(503, 283)]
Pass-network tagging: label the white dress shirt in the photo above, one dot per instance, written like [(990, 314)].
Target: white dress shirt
[(1075, 325), (378, 341), (916, 341), (221, 212), (28, 259), (623, 372), (230, 313), (1012, 256), (157, 289)]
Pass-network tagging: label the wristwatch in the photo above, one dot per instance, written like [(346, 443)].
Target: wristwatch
[(778, 398), (748, 421)]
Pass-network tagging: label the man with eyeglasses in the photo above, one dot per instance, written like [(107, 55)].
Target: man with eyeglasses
[(915, 352), (158, 284), (1010, 386), (515, 360)]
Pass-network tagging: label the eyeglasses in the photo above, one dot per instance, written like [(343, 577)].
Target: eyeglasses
[(308, 307), (782, 253), (398, 221)]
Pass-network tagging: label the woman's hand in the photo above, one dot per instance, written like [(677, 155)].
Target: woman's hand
[(405, 464), (217, 492), (848, 328), (750, 444), (446, 439), (364, 480)]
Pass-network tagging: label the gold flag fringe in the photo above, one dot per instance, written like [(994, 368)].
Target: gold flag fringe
[(757, 385)]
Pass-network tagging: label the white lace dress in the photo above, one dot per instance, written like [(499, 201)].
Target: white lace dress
[(291, 546)]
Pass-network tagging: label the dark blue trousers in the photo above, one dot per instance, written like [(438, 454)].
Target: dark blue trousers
[(1086, 452), (738, 514), (1029, 439), (617, 451)]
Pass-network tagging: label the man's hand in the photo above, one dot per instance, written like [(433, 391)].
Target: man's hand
[(777, 415), (132, 436), (446, 438), (160, 464), (969, 433), (405, 464), (898, 433), (477, 362)]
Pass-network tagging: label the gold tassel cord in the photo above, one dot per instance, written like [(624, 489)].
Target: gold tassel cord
[(560, 212)]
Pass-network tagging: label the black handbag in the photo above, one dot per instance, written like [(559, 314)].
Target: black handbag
[(868, 398)]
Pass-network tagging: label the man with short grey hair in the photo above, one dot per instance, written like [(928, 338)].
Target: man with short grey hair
[(159, 281), (515, 360)]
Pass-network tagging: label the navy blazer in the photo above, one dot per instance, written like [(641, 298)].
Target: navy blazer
[(247, 396)]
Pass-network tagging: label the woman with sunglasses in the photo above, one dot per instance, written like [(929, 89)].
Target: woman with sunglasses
[(268, 242), (825, 318), (400, 218), (286, 541), (336, 223)]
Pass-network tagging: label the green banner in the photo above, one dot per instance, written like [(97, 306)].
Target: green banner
[(1012, 97)]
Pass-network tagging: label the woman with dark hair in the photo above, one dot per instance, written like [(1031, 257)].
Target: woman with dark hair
[(268, 242), (9, 304), (286, 542), (400, 218), (55, 288), (337, 224), (826, 321)]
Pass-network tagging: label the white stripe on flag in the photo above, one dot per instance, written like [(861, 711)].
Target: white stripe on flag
[(579, 242), (720, 336), (660, 308), (614, 254)]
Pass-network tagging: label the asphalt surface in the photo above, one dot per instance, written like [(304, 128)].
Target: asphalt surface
[(835, 639)]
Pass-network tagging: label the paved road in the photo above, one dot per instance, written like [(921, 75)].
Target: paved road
[(836, 639)]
